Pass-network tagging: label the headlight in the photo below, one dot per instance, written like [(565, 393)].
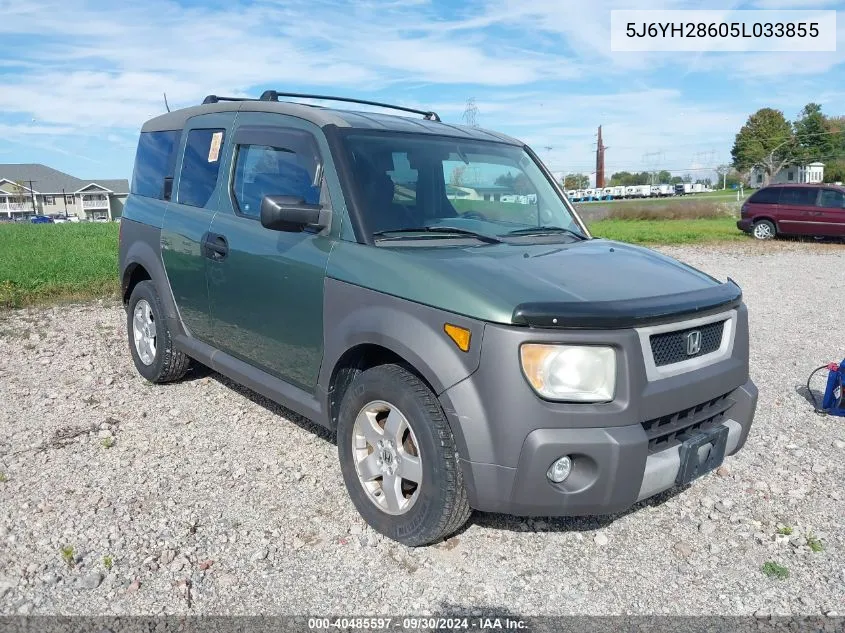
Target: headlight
[(570, 372)]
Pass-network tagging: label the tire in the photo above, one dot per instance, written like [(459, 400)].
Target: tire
[(161, 362), (428, 510), (764, 230)]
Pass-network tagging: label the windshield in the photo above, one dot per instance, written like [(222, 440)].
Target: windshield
[(415, 181)]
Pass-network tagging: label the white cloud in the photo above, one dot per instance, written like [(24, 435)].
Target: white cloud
[(651, 129), (541, 70)]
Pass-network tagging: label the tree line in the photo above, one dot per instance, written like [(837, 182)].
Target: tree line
[(628, 179), (769, 142)]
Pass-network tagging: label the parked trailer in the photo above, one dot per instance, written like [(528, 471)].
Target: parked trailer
[(662, 190), (698, 188), (683, 189), (619, 192)]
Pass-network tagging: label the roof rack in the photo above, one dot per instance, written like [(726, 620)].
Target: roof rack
[(273, 95), (218, 99)]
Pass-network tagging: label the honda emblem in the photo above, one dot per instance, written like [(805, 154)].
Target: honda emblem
[(693, 342)]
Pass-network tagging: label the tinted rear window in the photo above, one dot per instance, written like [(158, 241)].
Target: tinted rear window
[(831, 199), (799, 196), (200, 166), (154, 161), (769, 195)]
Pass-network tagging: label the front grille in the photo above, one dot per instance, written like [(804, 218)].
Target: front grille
[(664, 432), (671, 347)]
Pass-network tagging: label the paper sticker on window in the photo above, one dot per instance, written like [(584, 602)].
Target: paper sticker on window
[(214, 148)]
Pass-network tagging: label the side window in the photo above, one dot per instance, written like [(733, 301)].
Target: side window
[(799, 196), (154, 161), (200, 167), (830, 199), (769, 195), (289, 167)]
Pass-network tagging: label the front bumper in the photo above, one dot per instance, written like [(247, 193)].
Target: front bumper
[(508, 437)]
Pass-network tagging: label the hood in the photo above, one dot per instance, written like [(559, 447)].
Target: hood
[(510, 283)]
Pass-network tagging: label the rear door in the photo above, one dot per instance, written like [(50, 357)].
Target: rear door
[(195, 195), (830, 213), (267, 292), (796, 210)]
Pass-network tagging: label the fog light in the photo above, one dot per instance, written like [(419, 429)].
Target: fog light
[(560, 469)]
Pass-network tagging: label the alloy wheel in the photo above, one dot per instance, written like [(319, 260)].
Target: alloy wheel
[(387, 457), (762, 231), (144, 331)]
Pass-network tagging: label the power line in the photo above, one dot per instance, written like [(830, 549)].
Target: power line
[(711, 141), (585, 167)]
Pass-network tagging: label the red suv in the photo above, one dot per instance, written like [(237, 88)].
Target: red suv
[(817, 210)]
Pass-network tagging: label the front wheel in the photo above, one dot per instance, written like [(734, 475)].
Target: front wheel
[(764, 230), (398, 458)]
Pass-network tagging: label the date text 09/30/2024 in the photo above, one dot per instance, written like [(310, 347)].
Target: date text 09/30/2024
[(417, 623)]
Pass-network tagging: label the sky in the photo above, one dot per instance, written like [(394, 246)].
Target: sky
[(79, 78)]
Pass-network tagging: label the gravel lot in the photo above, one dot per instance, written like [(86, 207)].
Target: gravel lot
[(201, 497)]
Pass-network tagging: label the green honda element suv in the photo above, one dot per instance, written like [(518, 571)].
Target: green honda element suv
[(427, 292)]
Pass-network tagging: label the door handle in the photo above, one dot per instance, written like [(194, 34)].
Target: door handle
[(215, 246)]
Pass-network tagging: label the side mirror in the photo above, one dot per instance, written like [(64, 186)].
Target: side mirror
[(292, 214)]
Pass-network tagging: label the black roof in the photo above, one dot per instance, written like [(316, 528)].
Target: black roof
[(324, 116)]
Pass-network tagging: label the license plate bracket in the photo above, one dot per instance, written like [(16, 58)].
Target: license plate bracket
[(696, 459)]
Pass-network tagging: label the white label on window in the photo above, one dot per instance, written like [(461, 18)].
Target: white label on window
[(214, 149)]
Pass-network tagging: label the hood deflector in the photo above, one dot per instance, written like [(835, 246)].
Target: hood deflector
[(628, 313)]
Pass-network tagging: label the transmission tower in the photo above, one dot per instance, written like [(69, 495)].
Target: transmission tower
[(470, 115), (705, 159), (652, 160)]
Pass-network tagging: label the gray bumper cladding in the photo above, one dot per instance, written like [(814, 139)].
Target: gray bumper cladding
[(612, 467), (661, 469)]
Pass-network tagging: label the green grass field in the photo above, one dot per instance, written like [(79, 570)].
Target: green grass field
[(668, 231), (43, 263), (49, 263)]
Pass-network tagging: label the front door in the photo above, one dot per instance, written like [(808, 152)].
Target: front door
[(194, 197), (267, 292), (796, 208), (830, 213)]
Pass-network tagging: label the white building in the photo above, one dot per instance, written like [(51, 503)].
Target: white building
[(812, 173), (33, 189)]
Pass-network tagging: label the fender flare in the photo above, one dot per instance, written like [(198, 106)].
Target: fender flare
[(143, 250), (410, 330)]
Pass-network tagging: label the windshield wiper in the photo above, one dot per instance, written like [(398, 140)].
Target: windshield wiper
[(446, 230), (545, 230)]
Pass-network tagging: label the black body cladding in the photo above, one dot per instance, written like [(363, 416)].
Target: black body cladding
[(630, 312)]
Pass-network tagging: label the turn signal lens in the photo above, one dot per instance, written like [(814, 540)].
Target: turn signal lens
[(460, 335)]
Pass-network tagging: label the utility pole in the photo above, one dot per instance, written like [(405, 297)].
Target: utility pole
[(64, 200), (600, 161), (32, 195)]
